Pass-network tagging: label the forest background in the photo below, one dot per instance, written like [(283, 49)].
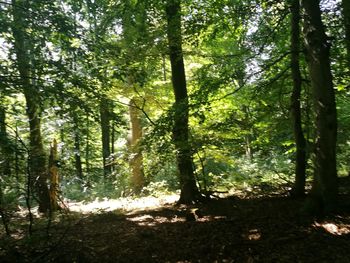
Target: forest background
[(103, 98)]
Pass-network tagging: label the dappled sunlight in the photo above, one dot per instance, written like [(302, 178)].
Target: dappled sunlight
[(149, 220), (252, 235), (125, 204), (334, 229)]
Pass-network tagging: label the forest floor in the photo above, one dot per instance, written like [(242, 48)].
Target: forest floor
[(238, 228)]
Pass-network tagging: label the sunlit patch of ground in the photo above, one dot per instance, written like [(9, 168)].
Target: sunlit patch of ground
[(124, 204), (331, 228)]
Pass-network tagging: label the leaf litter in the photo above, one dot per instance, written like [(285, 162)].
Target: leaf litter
[(149, 229)]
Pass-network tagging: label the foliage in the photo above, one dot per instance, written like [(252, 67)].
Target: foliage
[(237, 62)]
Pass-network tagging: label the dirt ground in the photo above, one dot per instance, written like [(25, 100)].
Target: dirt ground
[(231, 229)]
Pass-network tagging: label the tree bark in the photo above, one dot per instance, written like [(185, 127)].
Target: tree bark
[(346, 17), (325, 187), (300, 142), (189, 190), (37, 157), (136, 159), (105, 128)]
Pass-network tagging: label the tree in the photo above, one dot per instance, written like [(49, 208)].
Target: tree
[(77, 146), (346, 17), (24, 63), (105, 119), (53, 175), (189, 190), (325, 188), (133, 20), (5, 153), (300, 142), (136, 158)]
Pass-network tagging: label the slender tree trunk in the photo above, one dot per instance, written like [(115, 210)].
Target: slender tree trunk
[(136, 159), (87, 146), (346, 17), (113, 137), (325, 187), (300, 142), (53, 175), (249, 133), (105, 127), (77, 156), (38, 170), (5, 155), (189, 190), (3, 215), (77, 148), (164, 67), (17, 156), (5, 169)]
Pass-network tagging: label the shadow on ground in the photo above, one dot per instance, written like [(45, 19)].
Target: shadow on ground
[(223, 230)]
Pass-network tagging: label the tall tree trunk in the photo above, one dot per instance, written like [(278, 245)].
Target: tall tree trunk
[(38, 170), (134, 20), (189, 190), (346, 17), (136, 159), (300, 142), (325, 187), (105, 128)]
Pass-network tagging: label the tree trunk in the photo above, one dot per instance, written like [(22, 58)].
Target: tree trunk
[(5, 152), (5, 169), (3, 214), (105, 128), (37, 163), (300, 142), (53, 175), (189, 190), (113, 137), (136, 159), (249, 133), (134, 20), (346, 17), (325, 187), (87, 147), (77, 150)]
